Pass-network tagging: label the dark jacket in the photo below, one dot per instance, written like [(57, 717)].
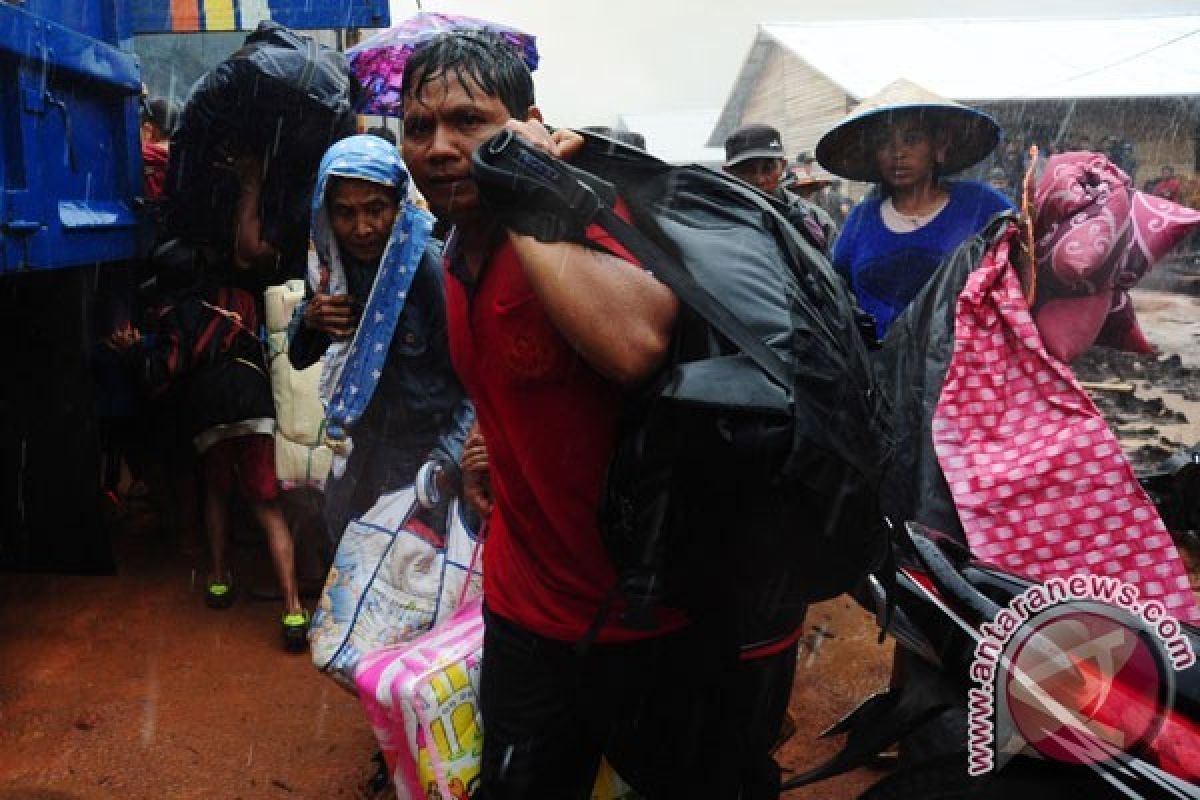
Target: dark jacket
[(208, 355), (419, 410), (810, 219)]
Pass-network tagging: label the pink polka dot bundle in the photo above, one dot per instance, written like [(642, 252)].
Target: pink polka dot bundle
[(1039, 480)]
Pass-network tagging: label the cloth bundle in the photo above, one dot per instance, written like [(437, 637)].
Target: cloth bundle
[(283, 98), (301, 460), (1096, 238), (1039, 480)]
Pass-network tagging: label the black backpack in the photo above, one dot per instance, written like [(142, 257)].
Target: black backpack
[(746, 471)]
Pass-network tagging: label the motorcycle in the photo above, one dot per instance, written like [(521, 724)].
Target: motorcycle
[(943, 612), (1174, 486)]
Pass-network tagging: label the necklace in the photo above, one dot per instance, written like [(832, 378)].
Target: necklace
[(904, 222)]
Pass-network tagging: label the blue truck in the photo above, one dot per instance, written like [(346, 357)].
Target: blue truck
[(70, 191)]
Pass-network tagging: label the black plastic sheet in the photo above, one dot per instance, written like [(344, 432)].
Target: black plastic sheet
[(910, 369), (283, 98)]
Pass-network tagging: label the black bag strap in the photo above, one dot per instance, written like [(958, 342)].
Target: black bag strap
[(516, 178), (693, 295)]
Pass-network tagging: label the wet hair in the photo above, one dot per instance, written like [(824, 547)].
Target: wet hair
[(162, 112), (493, 64), (383, 133)]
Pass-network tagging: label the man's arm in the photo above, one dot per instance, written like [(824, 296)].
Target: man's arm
[(616, 315), (250, 249)]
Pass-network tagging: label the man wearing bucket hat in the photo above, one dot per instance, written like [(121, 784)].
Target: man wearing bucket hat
[(754, 154), (906, 140)]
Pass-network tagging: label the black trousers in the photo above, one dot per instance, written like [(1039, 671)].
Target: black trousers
[(678, 716)]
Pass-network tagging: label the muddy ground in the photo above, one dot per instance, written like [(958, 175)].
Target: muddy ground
[(127, 687), (1152, 403)]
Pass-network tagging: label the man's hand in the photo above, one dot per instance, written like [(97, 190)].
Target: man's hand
[(563, 143), (335, 315), (249, 170), (476, 476), (124, 338)]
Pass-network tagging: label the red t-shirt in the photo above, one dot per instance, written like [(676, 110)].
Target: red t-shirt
[(154, 168), (550, 422)]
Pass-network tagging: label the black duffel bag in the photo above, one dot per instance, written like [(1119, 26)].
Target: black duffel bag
[(283, 98)]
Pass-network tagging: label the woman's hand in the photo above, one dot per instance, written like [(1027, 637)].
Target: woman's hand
[(335, 315)]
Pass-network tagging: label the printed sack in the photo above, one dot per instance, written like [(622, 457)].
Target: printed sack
[(422, 700), (393, 577)]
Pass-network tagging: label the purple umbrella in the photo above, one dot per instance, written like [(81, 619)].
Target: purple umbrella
[(378, 62)]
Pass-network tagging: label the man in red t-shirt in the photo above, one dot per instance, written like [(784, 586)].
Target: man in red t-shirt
[(158, 119), (1168, 185), (546, 337)]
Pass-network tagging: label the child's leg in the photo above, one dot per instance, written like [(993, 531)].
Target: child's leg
[(216, 524), (256, 471), (279, 541), (218, 486)]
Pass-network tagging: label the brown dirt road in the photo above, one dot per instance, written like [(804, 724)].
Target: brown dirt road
[(128, 687)]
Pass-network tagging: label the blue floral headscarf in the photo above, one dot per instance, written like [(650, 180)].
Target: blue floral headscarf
[(352, 369)]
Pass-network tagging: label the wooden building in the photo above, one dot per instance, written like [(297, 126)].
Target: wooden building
[(1049, 81)]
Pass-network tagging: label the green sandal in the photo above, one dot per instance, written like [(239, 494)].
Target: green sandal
[(295, 630), (219, 593)]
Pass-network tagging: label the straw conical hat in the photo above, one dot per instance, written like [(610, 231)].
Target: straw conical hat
[(846, 149), (819, 178)]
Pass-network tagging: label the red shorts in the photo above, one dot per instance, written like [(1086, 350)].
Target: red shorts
[(249, 460)]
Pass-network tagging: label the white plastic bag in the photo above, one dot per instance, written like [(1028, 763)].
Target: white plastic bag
[(393, 577)]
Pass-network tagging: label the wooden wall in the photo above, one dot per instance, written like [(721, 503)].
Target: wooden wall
[(795, 98)]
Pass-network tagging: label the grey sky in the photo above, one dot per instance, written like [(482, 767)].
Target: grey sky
[(600, 59)]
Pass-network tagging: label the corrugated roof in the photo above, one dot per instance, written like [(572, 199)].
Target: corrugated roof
[(990, 59), (677, 137), (986, 59)]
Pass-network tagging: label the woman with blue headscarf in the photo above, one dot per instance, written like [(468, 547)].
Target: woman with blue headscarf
[(394, 407)]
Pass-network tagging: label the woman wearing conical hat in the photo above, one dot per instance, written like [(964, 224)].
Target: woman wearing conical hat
[(907, 140)]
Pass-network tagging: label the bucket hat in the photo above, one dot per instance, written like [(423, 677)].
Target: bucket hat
[(847, 148), (753, 141)]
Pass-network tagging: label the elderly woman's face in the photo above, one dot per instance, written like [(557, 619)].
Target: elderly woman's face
[(906, 153), (361, 214)]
